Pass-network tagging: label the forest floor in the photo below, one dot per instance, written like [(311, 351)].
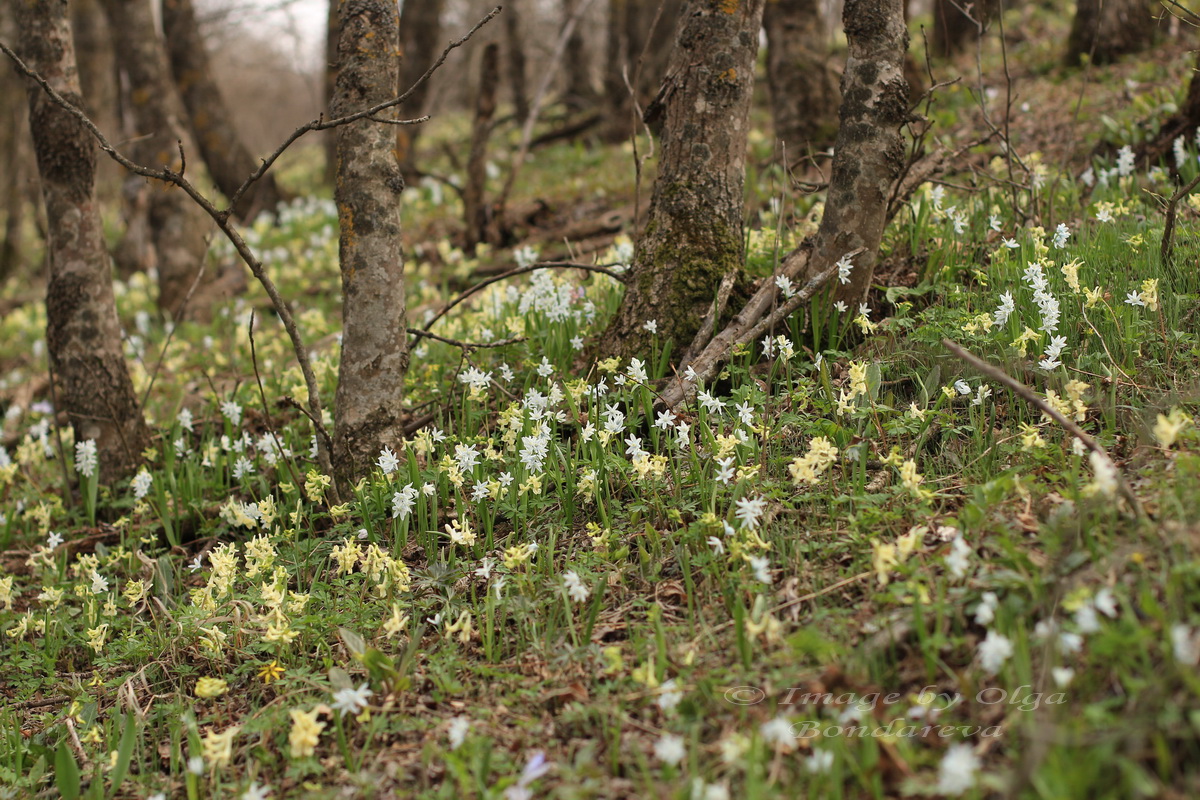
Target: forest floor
[(854, 567)]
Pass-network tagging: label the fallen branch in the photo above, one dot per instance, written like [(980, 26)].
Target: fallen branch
[(1000, 376)]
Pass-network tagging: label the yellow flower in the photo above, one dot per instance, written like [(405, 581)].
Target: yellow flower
[(305, 733), (218, 747), (315, 485), (270, 672), (1150, 293), (207, 688), (883, 559), (1030, 438), (1094, 296), (96, 637), (1168, 426)]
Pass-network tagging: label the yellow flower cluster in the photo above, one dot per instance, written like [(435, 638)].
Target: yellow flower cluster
[(807, 469)]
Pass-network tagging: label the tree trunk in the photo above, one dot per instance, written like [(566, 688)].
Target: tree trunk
[(693, 235), (804, 88), (1183, 123), (514, 48), (15, 144), (420, 44), (869, 152), (329, 141), (367, 192), (229, 162), (633, 37), (1105, 30), (956, 24), (97, 63), (82, 332), (475, 216), (177, 228), (579, 92)]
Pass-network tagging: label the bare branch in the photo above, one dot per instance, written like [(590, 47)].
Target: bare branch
[(1167, 249)]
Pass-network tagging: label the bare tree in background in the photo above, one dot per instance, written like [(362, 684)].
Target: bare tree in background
[(956, 24), (14, 142), (83, 335), (332, 29), (693, 237), (164, 229), (1105, 30), (228, 161), (577, 62), (420, 42), (804, 88), (869, 153), (632, 34), (367, 192), (514, 54)]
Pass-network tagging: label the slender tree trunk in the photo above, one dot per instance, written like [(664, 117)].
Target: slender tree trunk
[(579, 92), (869, 153), (514, 47), (98, 74), (956, 24), (229, 162), (332, 28), (177, 227), (420, 43), (634, 36), (14, 143), (367, 192), (1105, 30), (475, 214), (694, 233), (82, 332), (804, 88)]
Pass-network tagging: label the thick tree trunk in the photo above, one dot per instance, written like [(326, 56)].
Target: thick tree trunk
[(1183, 123), (956, 24), (82, 332), (475, 212), (694, 233), (420, 44), (869, 152), (176, 227), (1105, 30), (514, 47), (633, 35), (229, 162), (367, 192), (804, 88)]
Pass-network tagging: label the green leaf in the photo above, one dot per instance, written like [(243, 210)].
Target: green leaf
[(340, 679), (66, 773), (354, 643), (124, 751)]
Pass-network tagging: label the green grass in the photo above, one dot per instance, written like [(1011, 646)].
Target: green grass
[(565, 576)]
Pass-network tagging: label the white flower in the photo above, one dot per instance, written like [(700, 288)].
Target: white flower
[(762, 569), (351, 700), (141, 484), (1106, 473), (958, 561), (962, 387), (1005, 309), (232, 412), (1062, 676), (820, 762), (725, 472), (666, 419), (185, 419), (784, 284), (1086, 619), (574, 586), (53, 540), (669, 695), (196, 563), (749, 510), (633, 446), (99, 583), (256, 792), (1185, 645), (716, 544), (844, 267), (387, 461), (457, 731), (1011, 244), (778, 734), (536, 767), (403, 501), (1070, 643), (195, 765), (956, 773), (1061, 234), (840, 307), (1134, 298), (650, 325), (1125, 161), (1106, 603), (994, 651), (85, 457), (985, 612), (669, 749)]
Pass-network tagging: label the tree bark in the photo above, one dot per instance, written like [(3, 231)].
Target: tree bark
[(97, 62), (956, 24), (475, 213), (82, 332), (869, 152), (329, 142), (176, 229), (229, 162), (632, 34), (1183, 123), (1105, 30), (420, 40), (804, 88), (367, 193), (693, 235), (514, 48)]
